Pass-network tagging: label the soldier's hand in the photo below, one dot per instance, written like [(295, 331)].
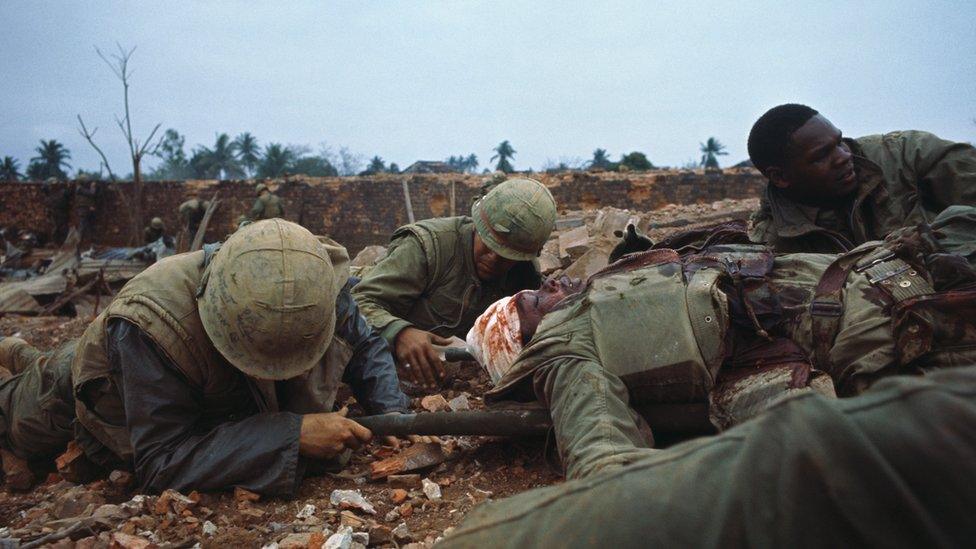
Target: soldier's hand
[(325, 436), (417, 357)]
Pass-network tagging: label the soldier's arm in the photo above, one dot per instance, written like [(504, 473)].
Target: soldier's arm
[(389, 291), (256, 210), (946, 170), (259, 452), (370, 373)]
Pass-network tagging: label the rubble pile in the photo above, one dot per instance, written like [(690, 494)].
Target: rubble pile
[(406, 496)]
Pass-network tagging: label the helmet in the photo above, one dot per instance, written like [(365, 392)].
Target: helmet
[(156, 223), (260, 188), (269, 298), (515, 218)]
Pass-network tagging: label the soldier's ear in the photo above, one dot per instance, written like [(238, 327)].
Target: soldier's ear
[(777, 177)]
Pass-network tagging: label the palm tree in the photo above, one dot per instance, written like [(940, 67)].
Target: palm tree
[(51, 157), (601, 160), (471, 163), (276, 160), (221, 160), (504, 152), (376, 165), (711, 149), (9, 170), (247, 151)]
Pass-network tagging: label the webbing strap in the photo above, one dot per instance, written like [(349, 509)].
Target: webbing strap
[(882, 269)]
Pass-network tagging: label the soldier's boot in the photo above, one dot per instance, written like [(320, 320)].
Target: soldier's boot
[(596, 429)]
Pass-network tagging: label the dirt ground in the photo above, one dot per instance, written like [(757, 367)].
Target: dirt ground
[(109, 512)]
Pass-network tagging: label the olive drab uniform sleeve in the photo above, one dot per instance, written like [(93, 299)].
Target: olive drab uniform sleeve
[(388, 294), (946, 170), (896, 466)]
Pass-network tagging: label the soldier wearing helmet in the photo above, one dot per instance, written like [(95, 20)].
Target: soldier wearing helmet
[(154, 231), (440, 274), (211, 369), (267, 205)]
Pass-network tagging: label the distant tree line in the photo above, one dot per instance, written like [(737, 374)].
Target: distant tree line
[(244, 157)]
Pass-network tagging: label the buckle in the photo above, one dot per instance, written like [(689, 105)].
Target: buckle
[(826, 308), (888, 254)]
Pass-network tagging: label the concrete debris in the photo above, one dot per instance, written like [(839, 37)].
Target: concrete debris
[(574, 242), (209, 528), (306, 511), (609, 220), (566, 223), (120, 479), (402, 533), (431, 489), (435, 403), (295, 541), (589, 263), (459, 403), (127, 541), (342, 539), (549, 262), (351, 499)]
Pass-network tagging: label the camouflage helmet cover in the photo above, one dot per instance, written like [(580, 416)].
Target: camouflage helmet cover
[(515, 218), (269, 297)]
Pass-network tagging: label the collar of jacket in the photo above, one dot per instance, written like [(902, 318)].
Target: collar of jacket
[(793, 220)]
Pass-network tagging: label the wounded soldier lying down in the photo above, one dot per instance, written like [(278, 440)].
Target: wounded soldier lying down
[(728, 326)]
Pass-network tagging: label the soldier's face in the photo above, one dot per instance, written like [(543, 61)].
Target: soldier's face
[(532, 305), (819, 168), (489, 265)]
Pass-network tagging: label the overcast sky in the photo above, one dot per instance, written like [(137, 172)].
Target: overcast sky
[(415, 80)]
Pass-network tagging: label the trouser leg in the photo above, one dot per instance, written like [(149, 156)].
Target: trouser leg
[(595, 426), (16, 354), (37, 406)]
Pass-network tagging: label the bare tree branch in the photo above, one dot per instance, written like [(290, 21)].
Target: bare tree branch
[(90, 137), (145, 147)]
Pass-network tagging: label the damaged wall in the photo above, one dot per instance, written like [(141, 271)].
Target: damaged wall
[(359, 211)]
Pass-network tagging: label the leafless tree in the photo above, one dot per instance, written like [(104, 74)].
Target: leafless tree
[(119, 64)]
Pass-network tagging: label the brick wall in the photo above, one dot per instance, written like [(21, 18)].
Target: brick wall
[(359, 211)]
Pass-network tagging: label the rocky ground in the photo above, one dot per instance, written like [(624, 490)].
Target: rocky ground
[(356, 506)]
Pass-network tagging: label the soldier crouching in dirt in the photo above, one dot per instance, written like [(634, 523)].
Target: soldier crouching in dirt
[(209, 370), (440, 274)]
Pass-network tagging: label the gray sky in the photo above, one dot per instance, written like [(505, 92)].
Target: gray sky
[(412, 80)]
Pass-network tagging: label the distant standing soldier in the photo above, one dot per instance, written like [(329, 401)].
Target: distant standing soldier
[(267, 205), (154, 231), (87, 195), (57, 198), (192, 212)]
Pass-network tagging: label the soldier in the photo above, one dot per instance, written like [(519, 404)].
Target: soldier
[(895, 467), (440, 274), (191, 212), (211, 369), (87, 195), (154, 231), (733, 327), (267, 205), (828, 194), (58, 202)]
